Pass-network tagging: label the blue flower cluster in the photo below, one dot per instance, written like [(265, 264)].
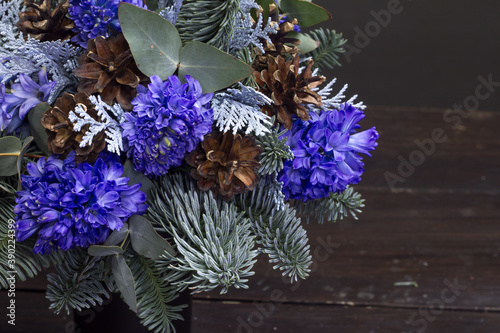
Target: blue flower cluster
[(326, 153), (168, 120), (23, 96), (74, 205), (95, 18)]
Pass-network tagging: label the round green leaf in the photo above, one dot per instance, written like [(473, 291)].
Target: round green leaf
[(305, 12), (124, 280), (307, 44), (213, 68), (24, 148), (136, 177), (102, 251), (10, 148), (36, 128), (145, 240), (153, 40), (117, 236)]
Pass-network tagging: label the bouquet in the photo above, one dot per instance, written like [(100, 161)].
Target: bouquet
[(149, 148)]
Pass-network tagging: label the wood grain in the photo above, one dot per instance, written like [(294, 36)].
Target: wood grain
[(468, 160), (237, 317)]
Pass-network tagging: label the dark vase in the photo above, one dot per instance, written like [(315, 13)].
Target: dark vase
[(115, 316)]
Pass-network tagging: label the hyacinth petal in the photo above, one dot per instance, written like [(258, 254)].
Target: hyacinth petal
[(330, 140), (27, 106), (114, 172), (168, 121), (46, 89), (364, 141), (109, 199), (64, 203)]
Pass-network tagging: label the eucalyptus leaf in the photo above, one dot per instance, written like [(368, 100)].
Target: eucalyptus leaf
[(307, 44), (136, 177), (211, 67), (10, 148), (117, 236), (145, 240), (305, 12), (26, 144), (124, 280), (102, 251), (153, 40), (36, 128)]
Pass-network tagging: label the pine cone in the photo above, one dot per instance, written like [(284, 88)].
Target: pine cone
[(288, 89), (41, 22), (62, 138), (226, 164), (108, 68), (280, 45)]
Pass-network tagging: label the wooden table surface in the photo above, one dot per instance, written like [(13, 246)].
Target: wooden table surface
[(423, 256)]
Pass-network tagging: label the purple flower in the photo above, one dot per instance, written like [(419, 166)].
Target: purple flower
[(22, 98), (70, 205), (168, 120), (326, 153), (95, 18)]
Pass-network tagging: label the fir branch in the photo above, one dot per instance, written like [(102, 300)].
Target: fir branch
[(279, 233), (274, 152), (327, 53), (212, 238), (154, 295), (208, 21), (79, 282), (335, 207), (80, 118), (240, 109)]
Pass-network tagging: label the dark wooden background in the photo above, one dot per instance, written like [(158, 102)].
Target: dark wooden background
[(424, 255)]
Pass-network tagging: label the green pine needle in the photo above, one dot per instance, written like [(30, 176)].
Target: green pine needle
[(327, 53), (279, 233), (335, 207), (274, 152), (213, 239), (154, 294), (208, 21), (79, 282)]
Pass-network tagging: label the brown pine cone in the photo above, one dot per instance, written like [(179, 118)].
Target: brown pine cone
[(288, 89), (281, 44), (41, 22), (225, 164), (62, 137), (109, 69)]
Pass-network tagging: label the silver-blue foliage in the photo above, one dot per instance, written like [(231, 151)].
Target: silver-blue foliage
[(30, 56), (239, 109), (170, 9), (246, 32), (112, 128)]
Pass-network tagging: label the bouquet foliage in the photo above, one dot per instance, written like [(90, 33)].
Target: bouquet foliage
[(152, 147)]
